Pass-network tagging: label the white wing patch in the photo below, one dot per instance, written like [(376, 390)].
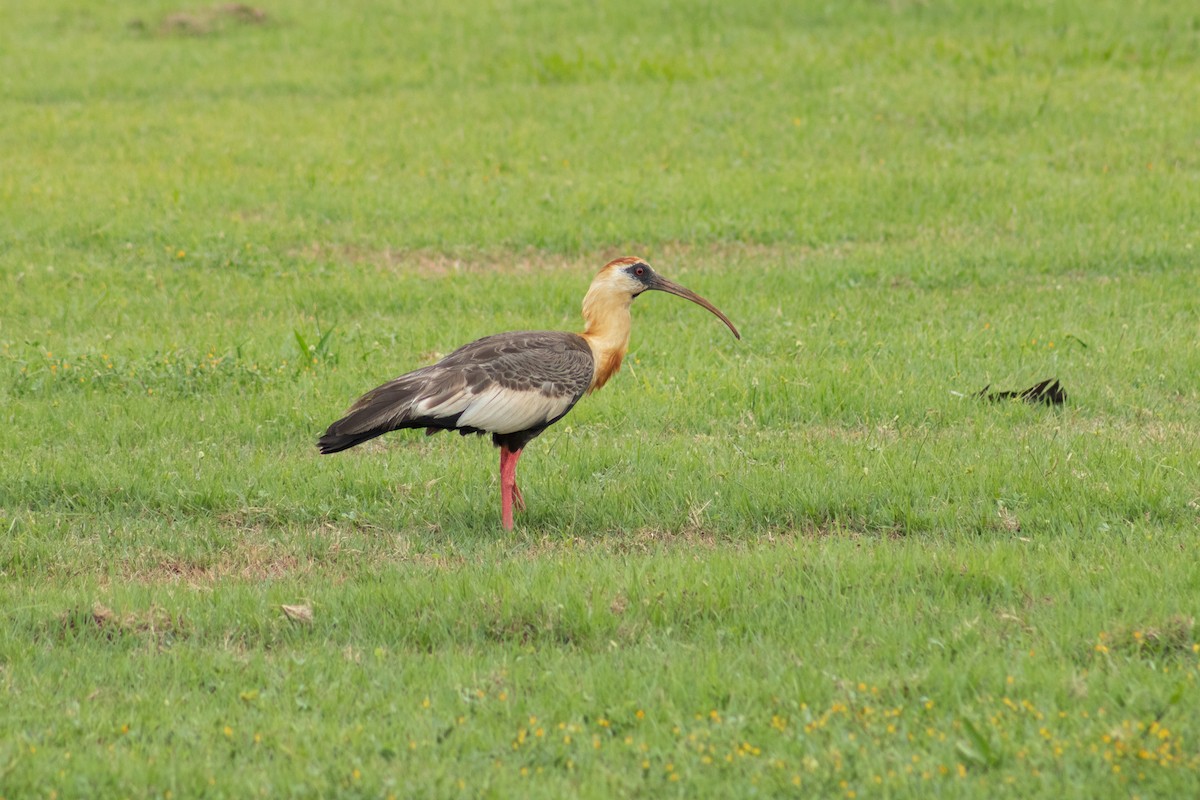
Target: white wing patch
[(446, 407), (500, 410)]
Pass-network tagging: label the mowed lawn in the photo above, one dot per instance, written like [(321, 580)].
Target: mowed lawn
[(812, 563)]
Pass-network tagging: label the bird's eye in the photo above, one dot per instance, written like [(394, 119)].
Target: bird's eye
[(639, 270)]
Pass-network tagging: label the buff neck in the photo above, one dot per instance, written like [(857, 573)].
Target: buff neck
[(607, 324)]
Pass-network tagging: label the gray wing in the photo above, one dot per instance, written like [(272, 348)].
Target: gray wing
[(502, 384)]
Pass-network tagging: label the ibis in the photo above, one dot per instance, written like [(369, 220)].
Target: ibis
[(513, 385)]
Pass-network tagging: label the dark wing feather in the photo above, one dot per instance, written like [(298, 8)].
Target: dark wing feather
[(1049, 391), (512, 385)]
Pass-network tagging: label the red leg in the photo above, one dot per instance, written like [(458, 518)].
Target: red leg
[(508, 486)]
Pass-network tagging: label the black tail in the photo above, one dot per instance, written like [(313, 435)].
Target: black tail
[(1049, 391), (371, 416), (334, 442), (386, 408), (375, 413)]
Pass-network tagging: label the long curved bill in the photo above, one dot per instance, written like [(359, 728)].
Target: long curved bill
[(663, 285)]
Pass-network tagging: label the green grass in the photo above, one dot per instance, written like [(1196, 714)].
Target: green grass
[(805, 564)]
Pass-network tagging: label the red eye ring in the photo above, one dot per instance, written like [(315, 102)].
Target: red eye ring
[(640, 271)]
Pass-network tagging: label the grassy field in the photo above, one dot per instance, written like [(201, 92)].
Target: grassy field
[(805, 564)]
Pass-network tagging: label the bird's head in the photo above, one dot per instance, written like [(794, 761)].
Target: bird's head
[(629, 277)]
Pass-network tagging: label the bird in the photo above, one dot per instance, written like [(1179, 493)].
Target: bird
[(513, 385)]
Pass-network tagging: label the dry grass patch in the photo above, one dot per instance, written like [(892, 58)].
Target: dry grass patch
[(153, 622), (673, 256), (1175, 636), (301, 614), (694, 536), (420, 262), (247, 563)]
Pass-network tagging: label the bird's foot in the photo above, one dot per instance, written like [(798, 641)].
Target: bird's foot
[(518, 500)]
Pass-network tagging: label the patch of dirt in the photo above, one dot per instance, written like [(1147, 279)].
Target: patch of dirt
[(205, 21), (256, 558)]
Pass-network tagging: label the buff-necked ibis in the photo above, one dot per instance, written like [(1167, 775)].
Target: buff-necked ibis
[(513, 385)]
